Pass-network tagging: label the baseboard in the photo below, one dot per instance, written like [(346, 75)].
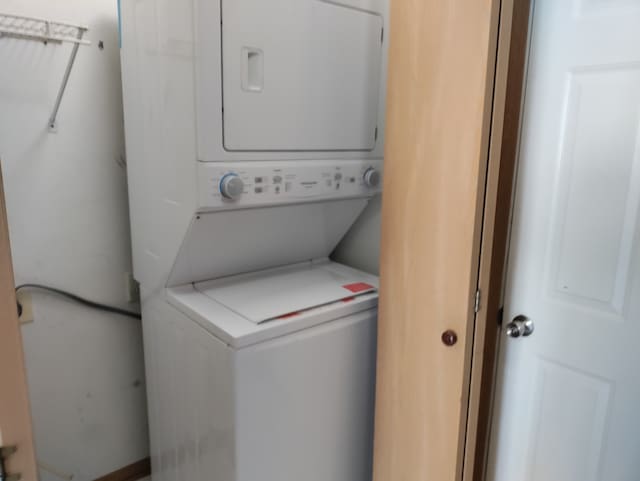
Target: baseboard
[(138, 470)]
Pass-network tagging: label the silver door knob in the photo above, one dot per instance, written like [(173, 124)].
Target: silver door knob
[(520, 326)]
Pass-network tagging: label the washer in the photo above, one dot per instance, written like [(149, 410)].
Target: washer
[(264, 376)]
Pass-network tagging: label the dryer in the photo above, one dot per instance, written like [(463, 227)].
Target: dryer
[(241, 81)]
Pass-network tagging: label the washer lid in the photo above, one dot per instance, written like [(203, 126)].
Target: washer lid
[(229, 242), (288, 291)]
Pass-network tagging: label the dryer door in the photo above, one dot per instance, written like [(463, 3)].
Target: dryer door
[(300, 75)]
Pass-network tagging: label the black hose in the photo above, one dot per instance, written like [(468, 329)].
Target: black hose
[(78, 299)]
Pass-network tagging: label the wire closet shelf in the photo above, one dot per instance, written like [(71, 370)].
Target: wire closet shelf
[(46, 31), (41, 30)]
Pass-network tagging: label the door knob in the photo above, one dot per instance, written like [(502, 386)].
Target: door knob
[(449, 338), (520, 326)]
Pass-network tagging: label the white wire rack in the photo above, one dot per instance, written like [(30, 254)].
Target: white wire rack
[(41, 30), (29, 28)]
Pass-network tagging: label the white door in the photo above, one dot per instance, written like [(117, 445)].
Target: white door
[(568, 402)]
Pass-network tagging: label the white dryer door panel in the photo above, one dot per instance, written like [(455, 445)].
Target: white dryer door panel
[(300, 75)]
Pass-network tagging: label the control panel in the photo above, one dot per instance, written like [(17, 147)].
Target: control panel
[(243, 184)]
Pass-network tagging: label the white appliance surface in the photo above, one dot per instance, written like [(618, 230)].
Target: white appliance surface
[(318, 66), (293, 311), (295, 407), (284, 79), (267, 295), (281, 182), (297, 88), (304, 404), (229, 242), (172, 65)]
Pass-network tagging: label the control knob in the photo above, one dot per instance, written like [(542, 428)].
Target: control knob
[(372, 177), (231, 186)]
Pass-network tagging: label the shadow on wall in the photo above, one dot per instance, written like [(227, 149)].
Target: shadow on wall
[(360, 248)]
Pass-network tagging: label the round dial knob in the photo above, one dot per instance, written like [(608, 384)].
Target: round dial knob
[(372, 177), (231, 186)]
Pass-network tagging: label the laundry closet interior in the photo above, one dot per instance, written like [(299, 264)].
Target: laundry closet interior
[(197, 194)]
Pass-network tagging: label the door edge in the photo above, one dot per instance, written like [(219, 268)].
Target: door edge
[(510, 77)]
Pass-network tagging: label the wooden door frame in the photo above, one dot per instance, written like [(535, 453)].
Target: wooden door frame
[(513, 49), (433, 402), (15, 413), (433, 406)]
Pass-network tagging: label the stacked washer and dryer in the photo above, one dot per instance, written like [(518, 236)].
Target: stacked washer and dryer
[(254, 141)]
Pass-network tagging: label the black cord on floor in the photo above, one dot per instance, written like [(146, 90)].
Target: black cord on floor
[(78, 299)]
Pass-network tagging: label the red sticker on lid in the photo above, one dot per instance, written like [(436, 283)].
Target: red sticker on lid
[(358, 287)]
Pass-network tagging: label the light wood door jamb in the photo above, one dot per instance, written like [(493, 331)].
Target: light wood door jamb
[(15, 414), (512, 56), (453, 105)]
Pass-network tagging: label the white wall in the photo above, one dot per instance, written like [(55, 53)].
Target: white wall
[(360, 248), (68, 218)]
